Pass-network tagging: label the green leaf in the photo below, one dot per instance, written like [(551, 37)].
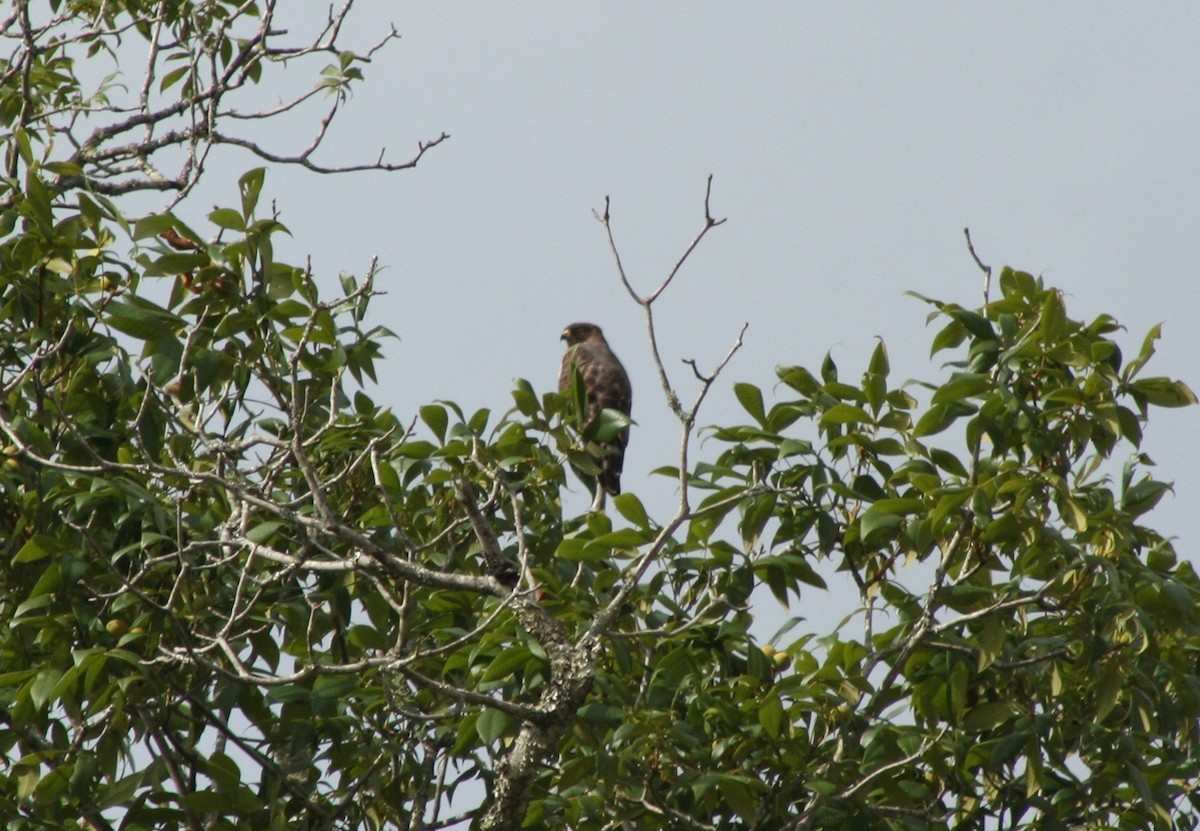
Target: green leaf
[(965, 385), (794, 447), (153, 225), (1131, 427), (478, 421), (1052, 323), (41, 689), (58, 265), (227, 218), (949, 502), (63, 168), (751, 400), (897, 505), (1019, 283), (1147, 352), (224, 772), (829, 369), (467, 733), (37, 199), (987, 716), (172, 77), (176, 263), (770, 715), (947, 461), (37, 547), (1143, 496), (250, 186), (739, 796), (799, 379), (1163, 392), (207, 802), (953, 334), (332, 688), (991, 642), (525, 398), (607, 424), (757, 513), (879, 364), (436, 418), (597, 712), (264, 531), (53, 786), (1072, 512), (978, 325), (24, 148), (120, 791), (875, 391), (873, 522), (622, 538), (630, 507), (416, 450), (1108, 689), (507, 662), (805, 573), (936, 419), (844, 414), (491, 725), (782, 416)]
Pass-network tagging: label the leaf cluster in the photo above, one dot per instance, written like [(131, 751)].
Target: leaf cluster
[(242, 593)]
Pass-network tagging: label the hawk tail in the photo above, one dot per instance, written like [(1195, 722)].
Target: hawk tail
[(610, 473)]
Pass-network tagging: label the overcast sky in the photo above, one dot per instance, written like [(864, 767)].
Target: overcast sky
[(850, 145)]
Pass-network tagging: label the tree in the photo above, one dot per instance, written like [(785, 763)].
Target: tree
[(241, 593)]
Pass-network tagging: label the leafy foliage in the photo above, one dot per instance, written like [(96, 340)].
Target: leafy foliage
[(241, 593), (1056, 638)]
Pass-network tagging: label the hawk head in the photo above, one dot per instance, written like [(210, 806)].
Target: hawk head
[(580, 332)]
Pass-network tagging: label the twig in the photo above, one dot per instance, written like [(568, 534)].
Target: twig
[(986, 269), (647, 301)]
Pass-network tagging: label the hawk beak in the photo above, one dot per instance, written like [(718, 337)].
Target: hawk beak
[(564, 334)]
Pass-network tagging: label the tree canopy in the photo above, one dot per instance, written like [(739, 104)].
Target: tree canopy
[(242, 593)]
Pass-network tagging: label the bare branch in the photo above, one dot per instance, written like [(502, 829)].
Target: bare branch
[(709, 224), (647, 302), (986, 269), (303, 159)]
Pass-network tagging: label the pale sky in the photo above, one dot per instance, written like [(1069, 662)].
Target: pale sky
[(850, 145)]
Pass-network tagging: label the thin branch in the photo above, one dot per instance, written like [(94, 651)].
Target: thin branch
[(709, 224), (303, 160), (647, 302), (806, 818), (986, 269), (523, 712)]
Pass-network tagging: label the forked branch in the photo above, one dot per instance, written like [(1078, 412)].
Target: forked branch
[(647, 301)]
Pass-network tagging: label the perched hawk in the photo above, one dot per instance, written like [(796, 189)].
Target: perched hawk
[(607, 388)]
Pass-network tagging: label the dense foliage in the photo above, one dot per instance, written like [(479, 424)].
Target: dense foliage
[(241, 593)]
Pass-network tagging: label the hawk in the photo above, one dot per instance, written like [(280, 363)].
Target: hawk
[(607, 388)]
